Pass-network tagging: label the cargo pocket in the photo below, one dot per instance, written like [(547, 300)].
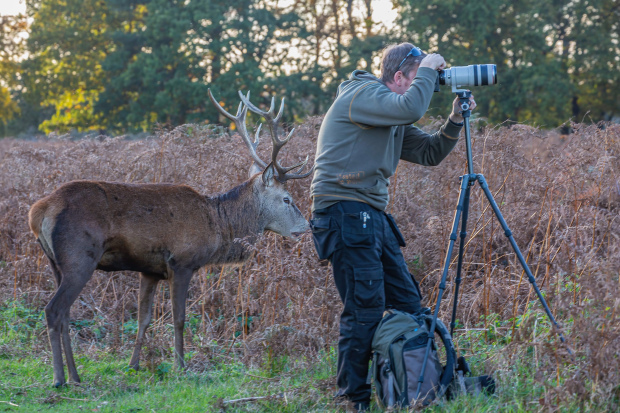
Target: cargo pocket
[(369, 292), (325, 236), (357, 229)]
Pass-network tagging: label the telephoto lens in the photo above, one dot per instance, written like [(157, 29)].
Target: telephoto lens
[(472, 75)]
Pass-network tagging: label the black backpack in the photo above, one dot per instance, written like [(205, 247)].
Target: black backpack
[(399, 346)]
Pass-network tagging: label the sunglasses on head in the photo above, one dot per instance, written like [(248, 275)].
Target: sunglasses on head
[(413, 52)]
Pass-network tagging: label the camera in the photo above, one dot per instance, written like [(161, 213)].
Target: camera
[(472, 75)]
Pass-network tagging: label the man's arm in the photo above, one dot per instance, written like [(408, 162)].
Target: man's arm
[(426, 149), (375, 105)]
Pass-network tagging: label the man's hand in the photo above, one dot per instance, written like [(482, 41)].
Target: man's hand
[(456, 116), (434, 60)]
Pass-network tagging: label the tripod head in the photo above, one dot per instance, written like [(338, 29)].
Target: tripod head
[(464, 96)]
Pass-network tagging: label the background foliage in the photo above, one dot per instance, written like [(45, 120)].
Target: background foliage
[(556, 59), (125, 65)]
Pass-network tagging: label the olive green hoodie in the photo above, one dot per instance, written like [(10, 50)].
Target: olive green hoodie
[(365, 133)]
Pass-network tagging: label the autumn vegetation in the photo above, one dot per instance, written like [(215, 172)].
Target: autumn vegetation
[(560, 195)]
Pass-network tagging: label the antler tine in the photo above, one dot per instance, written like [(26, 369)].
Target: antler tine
[(253, 108), (257, 134), (272, 124), (272, 106), (301, 165), (299, 176), (280, 112), (220, 108), (277, 145), (283, 172), (239, 120)]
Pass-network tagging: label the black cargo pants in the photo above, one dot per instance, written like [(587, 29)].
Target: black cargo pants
[(363, 246)]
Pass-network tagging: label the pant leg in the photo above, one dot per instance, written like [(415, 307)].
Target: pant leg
[(370, 273), (401, 290), (355, 254)]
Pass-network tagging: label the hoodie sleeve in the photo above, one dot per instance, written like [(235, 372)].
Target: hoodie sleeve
[(374, 104), (426, 149)]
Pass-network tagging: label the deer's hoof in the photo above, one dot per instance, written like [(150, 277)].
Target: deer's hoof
[(59, 383)]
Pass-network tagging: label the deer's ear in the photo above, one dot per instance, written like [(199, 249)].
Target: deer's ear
[(254, 169), (269, 175)]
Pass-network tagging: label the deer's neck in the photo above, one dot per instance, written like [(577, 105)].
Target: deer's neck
[(237, 213)]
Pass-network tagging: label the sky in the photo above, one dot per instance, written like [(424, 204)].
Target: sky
[(382, 9), (12, 7)]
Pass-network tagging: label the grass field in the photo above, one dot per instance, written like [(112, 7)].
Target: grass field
[(269, 327), (223, 382)]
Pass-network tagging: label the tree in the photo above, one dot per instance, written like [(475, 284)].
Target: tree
[(12, 47), (339, 37), (154, 73), (593, 52), (248, 48), (67, 44), (538, 47)]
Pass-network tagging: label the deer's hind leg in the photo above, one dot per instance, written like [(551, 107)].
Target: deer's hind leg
[(73, 265), (66, 339), (54, 328), (148, 287), (57, 316)]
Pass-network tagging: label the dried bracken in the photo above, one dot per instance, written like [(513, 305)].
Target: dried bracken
[(559, 194)]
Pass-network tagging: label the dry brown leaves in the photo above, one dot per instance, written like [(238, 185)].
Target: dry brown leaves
[(559, 194)]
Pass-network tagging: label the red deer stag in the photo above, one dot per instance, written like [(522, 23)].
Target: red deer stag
[(163, 231)]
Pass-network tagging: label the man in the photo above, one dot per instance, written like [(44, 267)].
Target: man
[(364, 134)]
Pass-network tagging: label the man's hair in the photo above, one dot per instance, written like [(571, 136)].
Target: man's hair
[(393, 54)]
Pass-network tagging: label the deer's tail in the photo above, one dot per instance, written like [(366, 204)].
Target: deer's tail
[(41, 220)]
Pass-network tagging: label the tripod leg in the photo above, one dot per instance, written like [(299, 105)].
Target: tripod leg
[(459, 266), (442, 285), (526, 268)]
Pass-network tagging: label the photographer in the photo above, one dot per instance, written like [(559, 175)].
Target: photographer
[(363, 135)]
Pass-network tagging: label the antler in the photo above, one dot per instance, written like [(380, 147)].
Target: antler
[(272, 124), (239, 120)]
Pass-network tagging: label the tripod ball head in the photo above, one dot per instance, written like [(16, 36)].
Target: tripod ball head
[(464, 96)]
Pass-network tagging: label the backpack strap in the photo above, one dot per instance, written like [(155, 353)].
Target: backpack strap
[(391, 386), (449, 369)]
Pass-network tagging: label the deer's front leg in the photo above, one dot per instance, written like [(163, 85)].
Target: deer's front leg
[(148, 286), (178, 292)]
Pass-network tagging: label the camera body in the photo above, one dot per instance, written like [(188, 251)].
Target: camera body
[(472, 75)]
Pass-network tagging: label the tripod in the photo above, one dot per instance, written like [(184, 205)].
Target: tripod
[(462, 209)]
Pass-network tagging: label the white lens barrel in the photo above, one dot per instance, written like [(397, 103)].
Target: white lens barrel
[(472, 75)]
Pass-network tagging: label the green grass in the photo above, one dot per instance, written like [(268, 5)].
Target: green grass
[(110, 387), (296, 385)]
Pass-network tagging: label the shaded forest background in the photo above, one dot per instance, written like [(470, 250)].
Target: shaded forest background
[(124, 65)]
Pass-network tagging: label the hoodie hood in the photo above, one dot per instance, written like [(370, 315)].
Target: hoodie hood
[(363, 75)]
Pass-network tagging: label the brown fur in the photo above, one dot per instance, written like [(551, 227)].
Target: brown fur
[(164, 231)]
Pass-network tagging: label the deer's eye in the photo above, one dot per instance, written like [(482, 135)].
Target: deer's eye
[(287, 201)]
